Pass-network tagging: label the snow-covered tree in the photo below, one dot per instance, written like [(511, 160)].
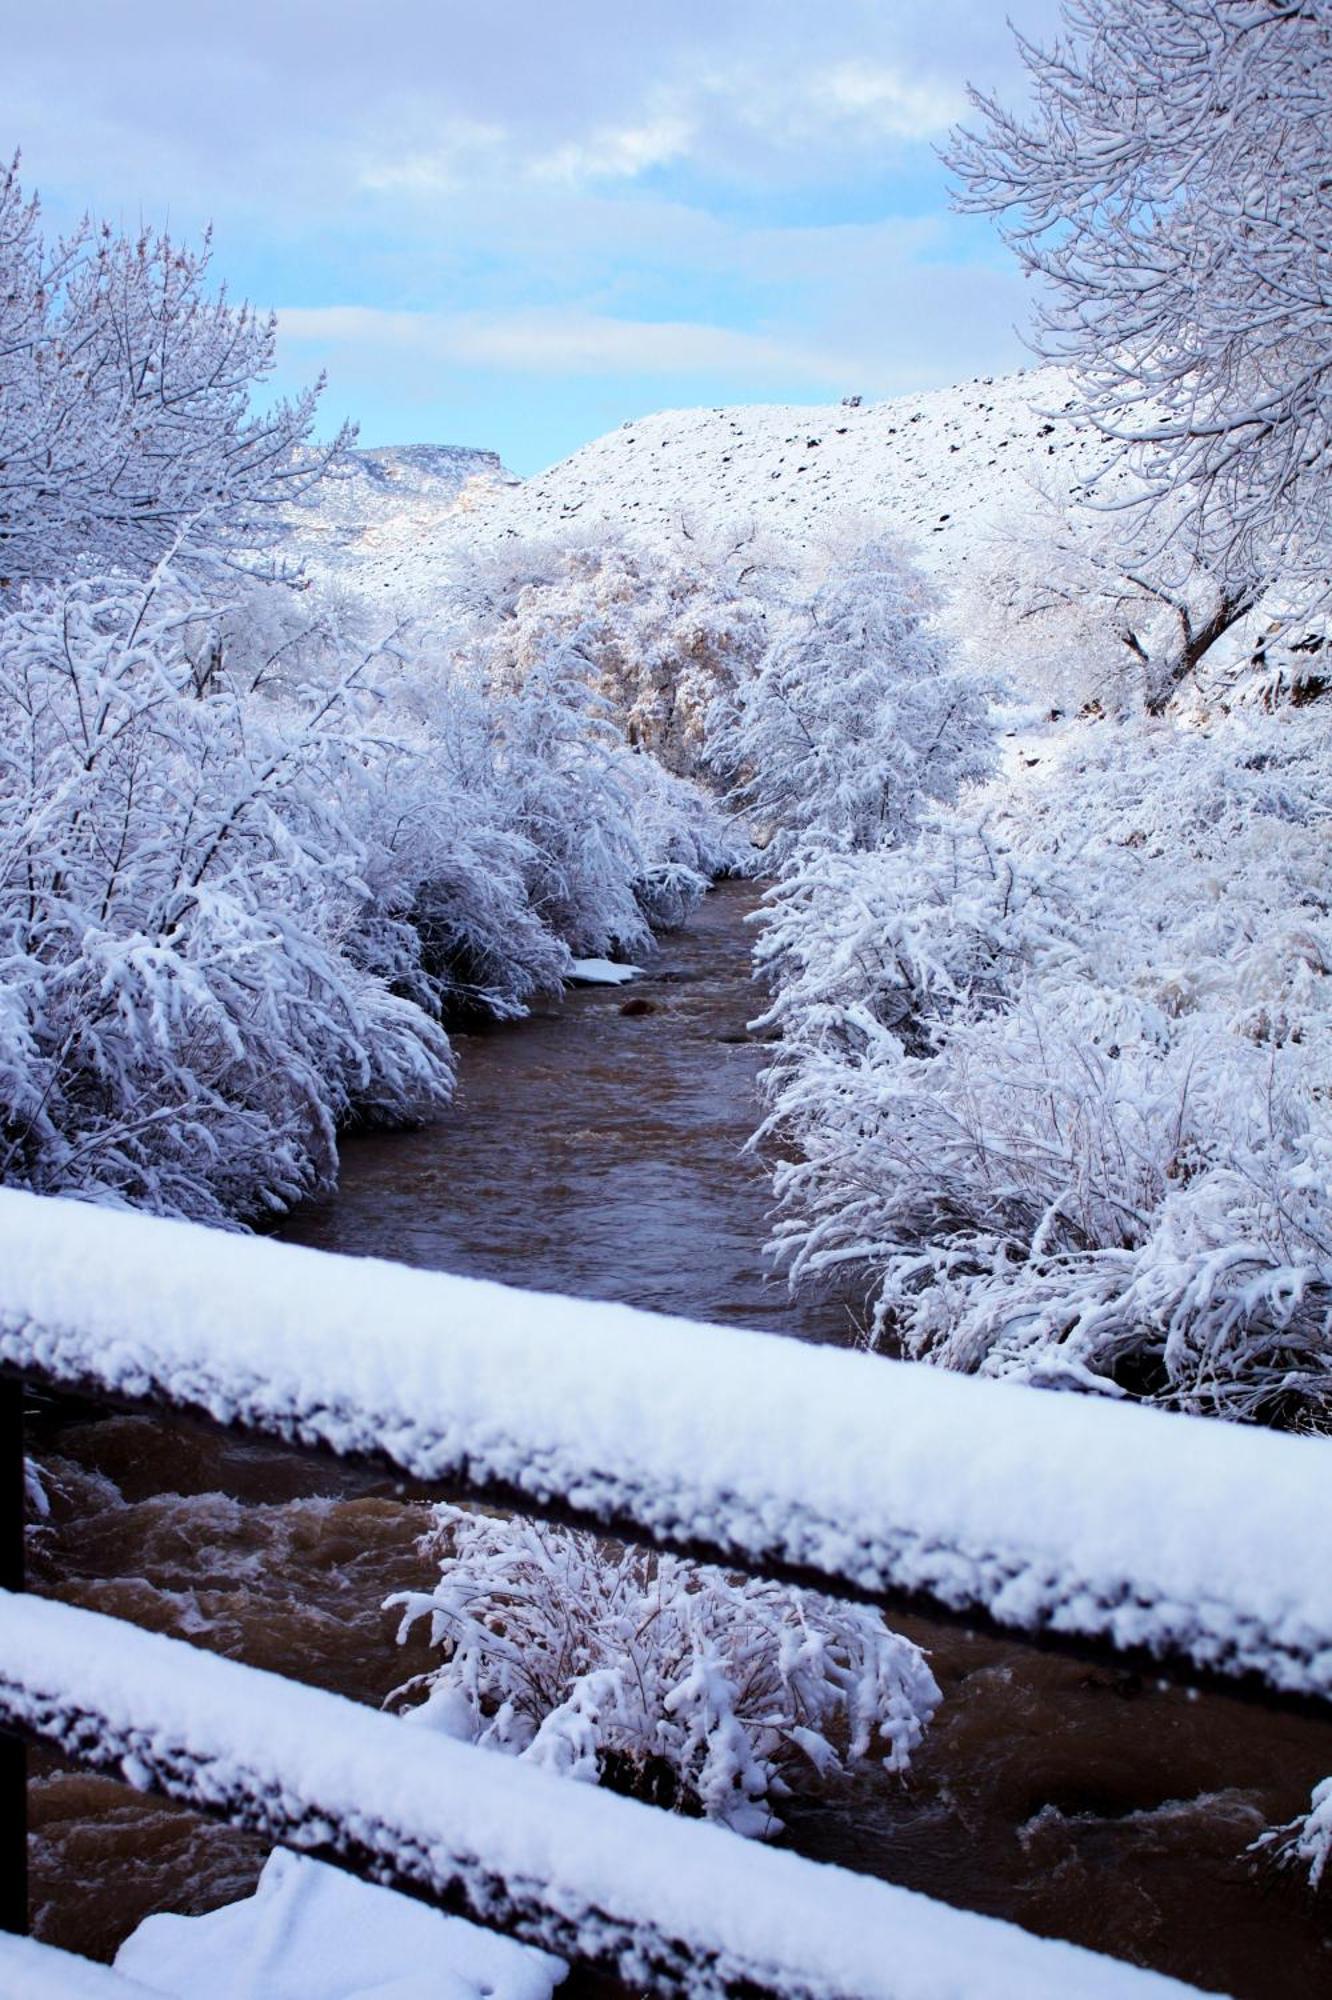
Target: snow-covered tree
[(663, 630), (857, 716), (1089, 599), (671, 1681), (1168, 185), (128, 409)]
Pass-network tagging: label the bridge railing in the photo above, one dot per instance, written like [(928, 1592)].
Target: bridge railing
[(1107, 1530)]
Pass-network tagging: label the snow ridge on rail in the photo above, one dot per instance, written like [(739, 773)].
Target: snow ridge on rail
[(1195, 1540), (677, 1905)]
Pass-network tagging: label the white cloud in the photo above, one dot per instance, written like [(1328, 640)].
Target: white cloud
[(618, 152), (885, 101), (557, 342), (759, 115), (461, 151), (465, 152)]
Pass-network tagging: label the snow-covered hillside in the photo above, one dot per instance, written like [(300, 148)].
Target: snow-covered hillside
[(394, 495), (942, 469)]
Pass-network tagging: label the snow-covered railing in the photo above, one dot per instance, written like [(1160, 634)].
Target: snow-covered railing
[(1077, 1522), (1204, 1546), (670, 1904)]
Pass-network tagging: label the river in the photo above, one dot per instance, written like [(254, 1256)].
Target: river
[(597, 1149)]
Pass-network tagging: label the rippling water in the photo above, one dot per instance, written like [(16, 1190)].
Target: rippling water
[(598, 1151)]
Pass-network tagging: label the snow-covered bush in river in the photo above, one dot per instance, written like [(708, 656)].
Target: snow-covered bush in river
[(685, 840), (449, 921), (1057, 1072), (1306, 1843), (663, 1678), (856, 717), (559, 755)]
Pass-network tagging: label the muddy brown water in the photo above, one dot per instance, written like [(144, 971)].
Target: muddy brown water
[(599, 1152)]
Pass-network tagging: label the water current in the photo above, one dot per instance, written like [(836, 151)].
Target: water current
[(597, 1149)]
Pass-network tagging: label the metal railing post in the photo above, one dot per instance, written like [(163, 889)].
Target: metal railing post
[(13, 1750)]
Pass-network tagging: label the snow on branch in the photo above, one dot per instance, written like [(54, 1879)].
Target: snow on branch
[(673, 1905), (1064, 1515), (1167, 181)]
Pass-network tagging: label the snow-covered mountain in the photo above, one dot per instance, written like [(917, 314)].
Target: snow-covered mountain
[(391, 497), (943, 469)]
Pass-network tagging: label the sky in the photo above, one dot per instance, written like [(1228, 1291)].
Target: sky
[(518, 223)]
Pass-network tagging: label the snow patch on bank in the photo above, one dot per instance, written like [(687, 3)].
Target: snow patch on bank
[(311, 1932)]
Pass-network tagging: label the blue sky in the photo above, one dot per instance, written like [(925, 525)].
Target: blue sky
[(518, 224)]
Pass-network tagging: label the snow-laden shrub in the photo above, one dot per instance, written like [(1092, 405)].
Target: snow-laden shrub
[(559, 759), (450, 921), (857, 717), (1057, 1080), (685, 840), (663, 631), (655, 1676), (179, 1024), (614, 844), (1305, 1843)]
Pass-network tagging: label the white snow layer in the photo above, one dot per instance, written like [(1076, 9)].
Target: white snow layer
[(1177, 1533), (596, 1869), (33, 1971), (601, 972), (310, 1932)]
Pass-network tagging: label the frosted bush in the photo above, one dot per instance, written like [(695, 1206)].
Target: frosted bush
[(179, 1025), (662, 631), (856, 718), (1306, 1843), (615, 845), (558, 760), (1057, 1077), (450, 919), (685, 840), (655, 1676)]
